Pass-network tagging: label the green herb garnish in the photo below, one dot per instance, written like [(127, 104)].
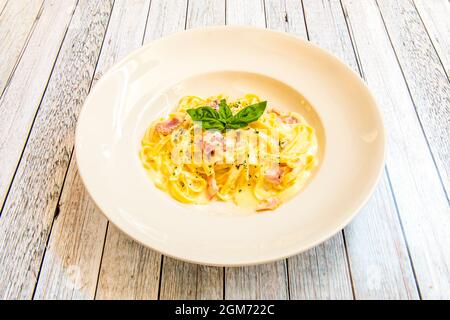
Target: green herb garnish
[(224, 118), (224, 110)]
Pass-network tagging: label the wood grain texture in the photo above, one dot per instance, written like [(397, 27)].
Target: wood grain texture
[(72, 257), (434, 15), (125, 32), (307, 278), (426, 78), (321, 272), (287, 16), (24, 92), (182, 280), (267, 281), (29, 209), (206, 13), (420, 199), (129, 270), (249, 13), (2, 6), (377, 228), (17, 20), (327, 27), (165, 17), (379, 261)]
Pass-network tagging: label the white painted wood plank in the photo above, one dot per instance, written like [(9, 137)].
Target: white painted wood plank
[(2, 5), (426, 78), (419, 195), (16, 23), (327, 28), (185, 285), (435, 16), (276, 16), (205, 13), (285, 15), (72, 257), (29, 209), (22, 96), (129, 270), (374, 239), (249, 13), (166, 17), (210, 283), (267, 281), (78, 234), (182, 280), (378, 256), (320, 273)]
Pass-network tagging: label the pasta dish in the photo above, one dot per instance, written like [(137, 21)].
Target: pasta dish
[(242, 151)]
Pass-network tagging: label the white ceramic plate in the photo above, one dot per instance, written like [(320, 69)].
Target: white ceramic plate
[(291, 74)]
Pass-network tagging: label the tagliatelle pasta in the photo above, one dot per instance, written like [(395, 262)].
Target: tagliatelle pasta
[(259, 164)]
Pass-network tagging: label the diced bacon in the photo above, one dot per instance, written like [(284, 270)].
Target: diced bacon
[(268, 204), (277, 111), (166, 127), (212, 186), (285, 118), (214, 104), (273, 175), (212, 140), (289, 120)]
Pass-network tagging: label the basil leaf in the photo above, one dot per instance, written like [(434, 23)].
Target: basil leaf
[(236, 125), (203, 113), (209, 118), (213, 124), (224, 111), (250, 113), (224, 119)]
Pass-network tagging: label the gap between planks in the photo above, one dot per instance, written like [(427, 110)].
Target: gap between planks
[(14, 41), (434, 16)]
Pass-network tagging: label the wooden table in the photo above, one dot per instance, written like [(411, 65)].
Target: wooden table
[(55, 244)]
